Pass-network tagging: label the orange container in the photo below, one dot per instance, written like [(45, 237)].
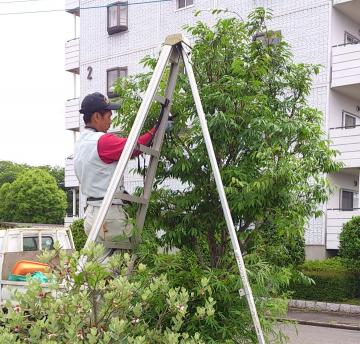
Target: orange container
[(23, 267)]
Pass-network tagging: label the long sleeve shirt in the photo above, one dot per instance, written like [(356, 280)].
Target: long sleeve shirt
[(110, 146)]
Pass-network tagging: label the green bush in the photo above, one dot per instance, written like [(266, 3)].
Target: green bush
[(79, 236), (278, 247), (350, 242), (334, 282), (171, 299)]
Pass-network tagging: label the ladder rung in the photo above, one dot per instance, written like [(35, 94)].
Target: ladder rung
[(117, 245), (133, 199), (160, 99), (148, 150)]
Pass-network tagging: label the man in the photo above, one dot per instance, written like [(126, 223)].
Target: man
[(96, 155)]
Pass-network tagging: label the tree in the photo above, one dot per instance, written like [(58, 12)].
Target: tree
[(10, 170), (33, 197), (268, 141)]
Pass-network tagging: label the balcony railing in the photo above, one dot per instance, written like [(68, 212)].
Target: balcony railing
[(345, 75), (335, 219), (72, 117), (72, 6), (351, 8), (72, 55), (347, 142), (70, 178)]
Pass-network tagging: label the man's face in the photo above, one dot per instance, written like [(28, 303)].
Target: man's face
[(103, 121)]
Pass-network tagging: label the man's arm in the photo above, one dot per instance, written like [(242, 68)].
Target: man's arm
[(111, 146)]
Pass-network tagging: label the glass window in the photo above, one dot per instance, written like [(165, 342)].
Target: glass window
[(112, 76), (47, 243), (349, 121), (31, 243), (117, 17), (347, 200), (112, 16), (185, 3)]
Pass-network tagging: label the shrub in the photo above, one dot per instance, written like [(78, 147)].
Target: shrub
[(79, 236), (172, 300), (334, 282), (350, 242)]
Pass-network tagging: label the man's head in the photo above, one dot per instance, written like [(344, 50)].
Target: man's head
[(96, 109)]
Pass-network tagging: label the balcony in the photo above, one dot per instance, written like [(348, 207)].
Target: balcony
[(351, 8), (347, 142), (72, 6), (345, 74), (72, 55), (72, 117), (335, 219), (70, 178)]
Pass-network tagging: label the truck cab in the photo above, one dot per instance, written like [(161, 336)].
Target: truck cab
[(27, 244)]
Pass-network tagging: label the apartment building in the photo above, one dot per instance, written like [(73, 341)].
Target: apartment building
[(116, 35)]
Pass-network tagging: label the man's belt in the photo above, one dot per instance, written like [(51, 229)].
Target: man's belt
[(114, 201)]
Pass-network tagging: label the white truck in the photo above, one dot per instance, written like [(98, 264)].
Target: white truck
[(26, 244)]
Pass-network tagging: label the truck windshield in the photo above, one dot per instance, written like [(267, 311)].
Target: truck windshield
[(31, 243)]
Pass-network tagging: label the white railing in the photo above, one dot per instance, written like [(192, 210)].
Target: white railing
[(72, 55), (335, 219), (70, 178), (345, 65), (72, 116), (347, 142)]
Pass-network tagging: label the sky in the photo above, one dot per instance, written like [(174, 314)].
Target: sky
[(33, 83)]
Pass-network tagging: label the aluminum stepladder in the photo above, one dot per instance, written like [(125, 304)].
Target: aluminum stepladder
[(174, 50)]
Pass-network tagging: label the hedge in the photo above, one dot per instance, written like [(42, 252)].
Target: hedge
[(333, 282)]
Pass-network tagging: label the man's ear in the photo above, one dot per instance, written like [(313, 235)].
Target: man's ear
[(96, 116)]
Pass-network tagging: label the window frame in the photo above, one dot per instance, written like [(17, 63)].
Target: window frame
[(352, 200), (119, 70), (38, 238), (347, 113), (119, 27), (185, 6)]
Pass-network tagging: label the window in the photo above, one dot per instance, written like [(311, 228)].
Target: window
[(349, 200), (185, 3), (349, 120), (117, 14), (47, 243), (112, 75), (350, 39), (31, 243)]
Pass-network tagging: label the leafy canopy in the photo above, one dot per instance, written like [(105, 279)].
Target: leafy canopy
[(33, 197), (269, 144)]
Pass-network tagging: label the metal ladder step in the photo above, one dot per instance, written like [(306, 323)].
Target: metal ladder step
[(133, 199), (148, 150)]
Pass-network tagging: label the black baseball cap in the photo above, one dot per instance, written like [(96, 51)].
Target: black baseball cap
[(97, 102)]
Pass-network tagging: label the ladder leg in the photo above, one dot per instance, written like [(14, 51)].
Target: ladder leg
[(159, 138), (224, 203), (130, 143)]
